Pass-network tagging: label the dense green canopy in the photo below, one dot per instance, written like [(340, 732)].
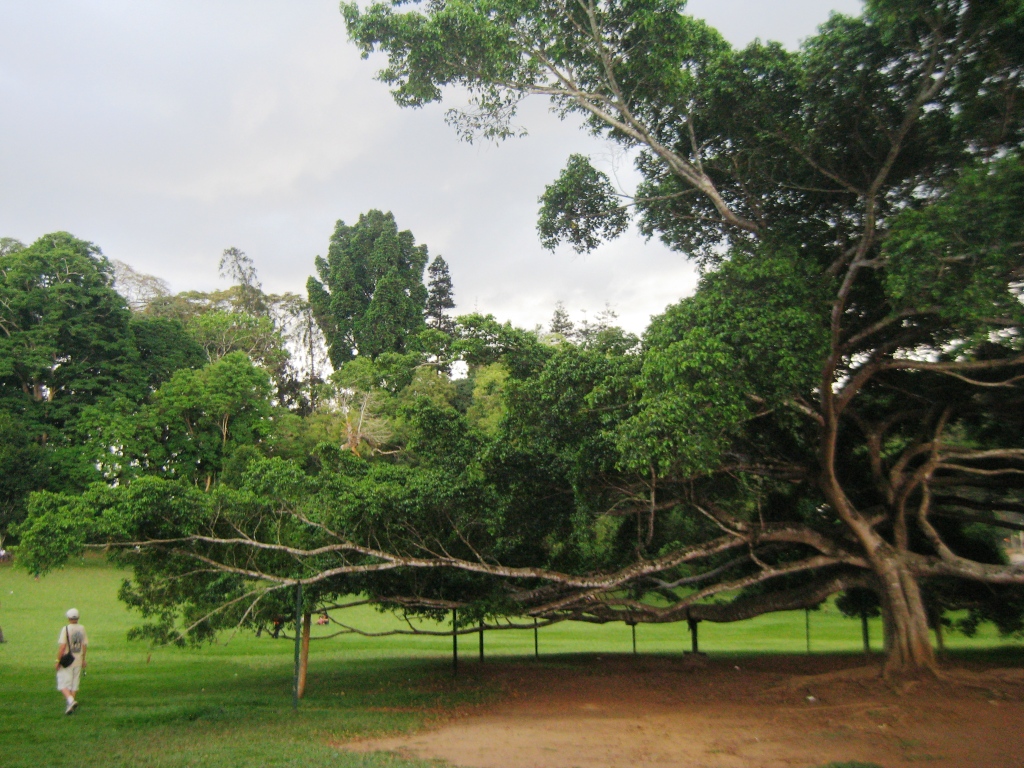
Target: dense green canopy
[(369, 298), (861, 335), (70, 352)]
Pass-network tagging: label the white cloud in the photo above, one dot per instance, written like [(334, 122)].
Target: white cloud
[(168, 130)]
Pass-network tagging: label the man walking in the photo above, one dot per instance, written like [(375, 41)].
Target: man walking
[(72, 639)]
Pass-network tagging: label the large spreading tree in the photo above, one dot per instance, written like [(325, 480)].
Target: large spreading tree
[(837, 406), (875, 174)]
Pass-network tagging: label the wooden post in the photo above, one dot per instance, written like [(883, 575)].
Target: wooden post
[(481, 641), (455, 641), (693, 635), (298, 642), (307, 623), (940, 641), (536, 641)]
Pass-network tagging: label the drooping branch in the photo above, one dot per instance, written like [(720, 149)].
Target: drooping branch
[(784, 600), (618, 609), (962, 568), (389, 561)]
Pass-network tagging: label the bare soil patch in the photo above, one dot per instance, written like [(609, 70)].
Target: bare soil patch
[(763, 712)]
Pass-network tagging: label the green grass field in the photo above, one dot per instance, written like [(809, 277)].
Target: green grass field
[(229, 704)]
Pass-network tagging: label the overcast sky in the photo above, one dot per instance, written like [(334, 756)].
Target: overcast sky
[(165, 131)]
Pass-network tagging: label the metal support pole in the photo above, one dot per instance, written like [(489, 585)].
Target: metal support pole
[(536, 641), (298, 642), (481, 641), (807, 621), (455, 641)]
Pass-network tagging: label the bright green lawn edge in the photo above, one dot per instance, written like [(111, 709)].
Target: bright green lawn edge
[(229, 704)]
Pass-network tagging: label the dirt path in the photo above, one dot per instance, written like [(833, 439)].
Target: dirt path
[(623, 712)]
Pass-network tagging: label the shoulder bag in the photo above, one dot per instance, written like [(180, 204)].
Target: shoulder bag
[(68, 658)]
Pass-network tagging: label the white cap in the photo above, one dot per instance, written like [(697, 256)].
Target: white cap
[(72, 613)]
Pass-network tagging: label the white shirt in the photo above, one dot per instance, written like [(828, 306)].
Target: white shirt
[(74, 637)]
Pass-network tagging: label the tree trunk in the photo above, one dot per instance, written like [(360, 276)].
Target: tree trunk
[(908, 648), (940, 641), (304, 653)]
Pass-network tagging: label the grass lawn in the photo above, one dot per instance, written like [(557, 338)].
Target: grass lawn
[(221, 705), (229, 704)]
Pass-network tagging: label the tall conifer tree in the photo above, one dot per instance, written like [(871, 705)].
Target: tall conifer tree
[(560, 322), (439, 296), (370, 296)]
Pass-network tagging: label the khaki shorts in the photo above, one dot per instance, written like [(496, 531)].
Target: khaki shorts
[(68, 677)]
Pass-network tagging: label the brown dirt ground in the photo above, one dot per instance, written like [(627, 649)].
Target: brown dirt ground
[(763, 712)]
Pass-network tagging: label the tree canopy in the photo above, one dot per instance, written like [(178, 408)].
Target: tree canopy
[(843, 178), (70, 351), (369, 298)]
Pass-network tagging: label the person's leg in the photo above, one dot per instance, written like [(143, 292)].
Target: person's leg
[(67, 684), (76, 676), (64, 686), (69, 701)]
